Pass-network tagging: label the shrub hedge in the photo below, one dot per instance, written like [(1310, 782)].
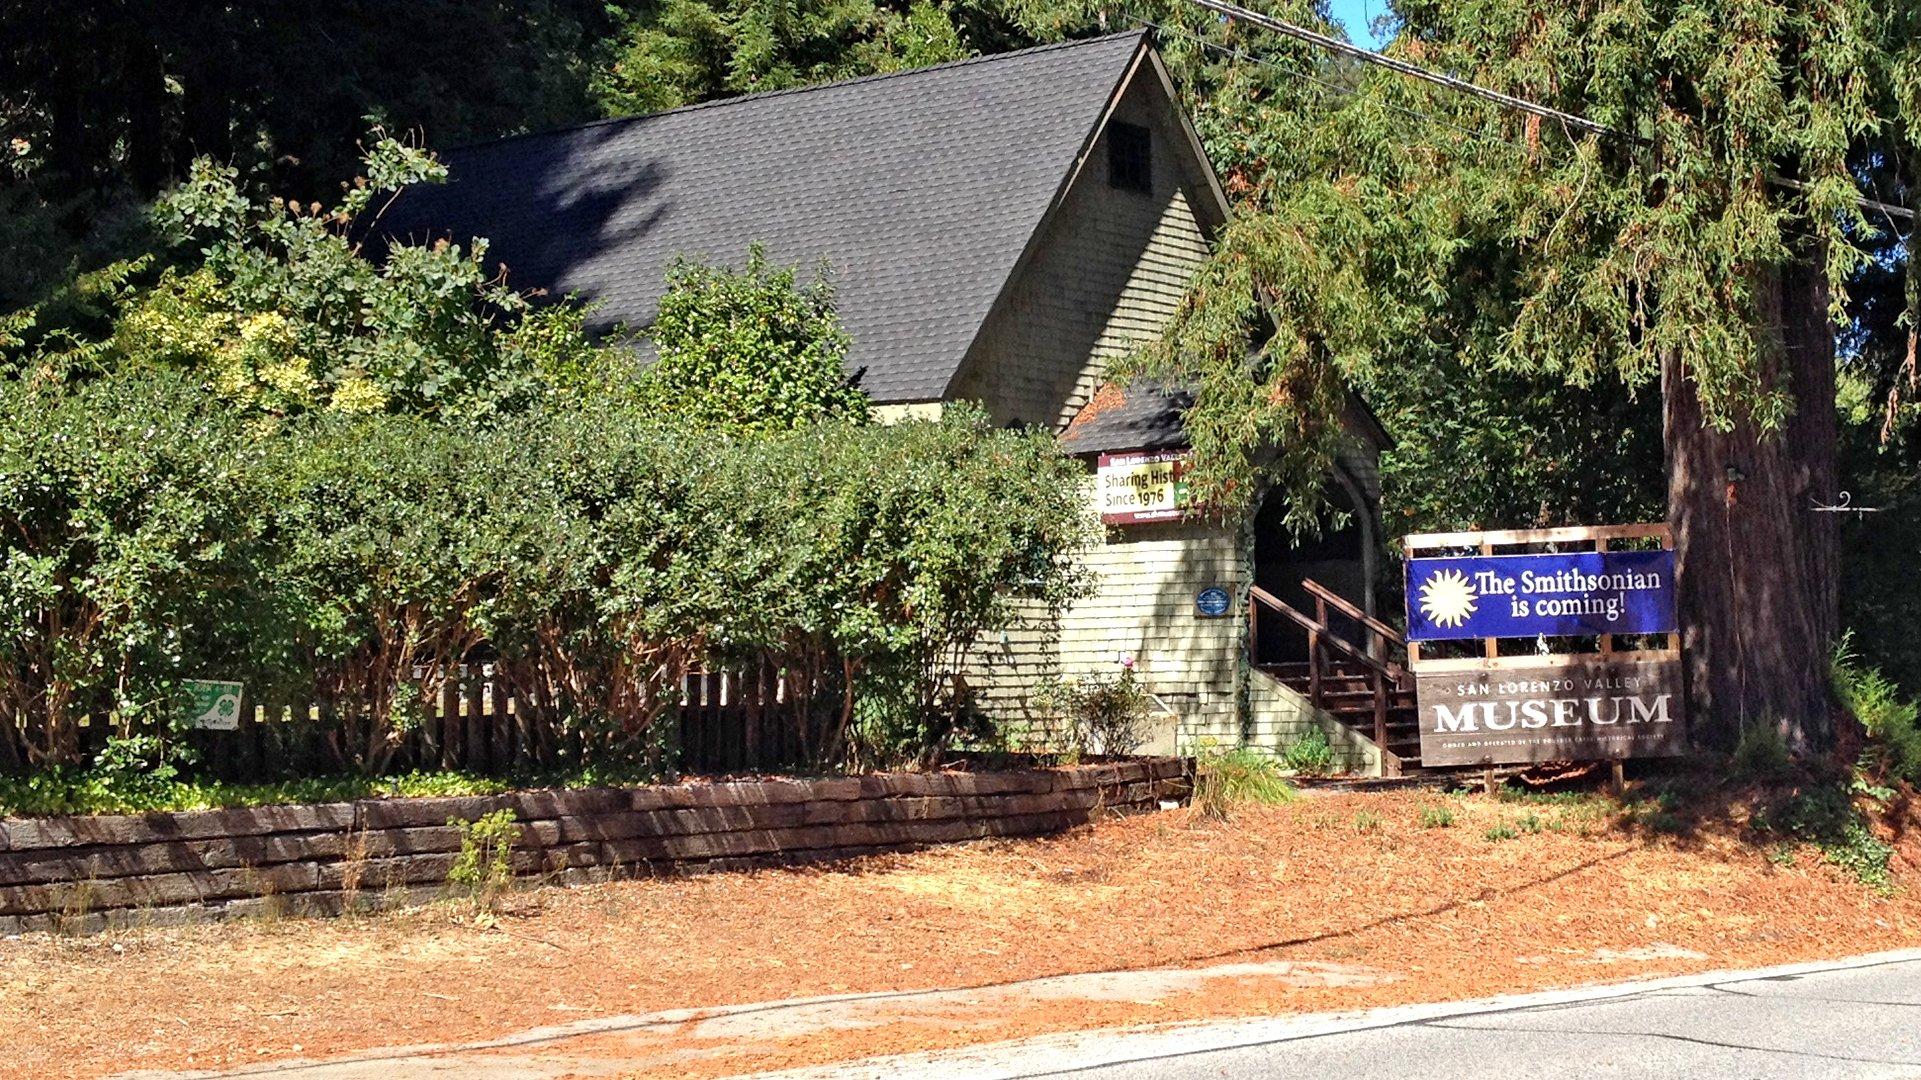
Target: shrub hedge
[(153, 534)]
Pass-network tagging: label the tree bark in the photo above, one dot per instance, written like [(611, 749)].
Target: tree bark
[(146, 89), (1756, 566), (208, 79)]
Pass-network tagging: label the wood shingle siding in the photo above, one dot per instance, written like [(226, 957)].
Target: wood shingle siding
[(1144, 607), (1108, 271)]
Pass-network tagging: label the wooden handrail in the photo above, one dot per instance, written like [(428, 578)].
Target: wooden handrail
[(1313, 625), (1353, 611), (1380, 674)]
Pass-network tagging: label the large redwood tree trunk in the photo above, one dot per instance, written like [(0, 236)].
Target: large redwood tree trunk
[(1757, 567)]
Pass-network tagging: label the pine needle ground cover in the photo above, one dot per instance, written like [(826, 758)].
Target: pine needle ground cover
[(1313, 912)]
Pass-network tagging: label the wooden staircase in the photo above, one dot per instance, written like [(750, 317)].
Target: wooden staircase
[(1347, 694), (1365, 686)]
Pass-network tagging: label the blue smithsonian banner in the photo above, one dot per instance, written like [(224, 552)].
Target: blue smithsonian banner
[(1590, 592)]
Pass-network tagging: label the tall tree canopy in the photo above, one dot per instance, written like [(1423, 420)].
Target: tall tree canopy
[(687, 51), (105, 102), (116, 92), (1707, 250)]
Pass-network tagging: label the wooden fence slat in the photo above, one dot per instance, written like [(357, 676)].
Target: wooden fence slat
[(449, 720), (257, 750), (427, 739), (707, 712), (754, 692), (474, 724), (689, 749), (526, 750), (502, 723), (558, 738), (723, 716), (716, 735)]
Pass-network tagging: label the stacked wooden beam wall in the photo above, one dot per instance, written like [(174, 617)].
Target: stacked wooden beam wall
[(80, 874)]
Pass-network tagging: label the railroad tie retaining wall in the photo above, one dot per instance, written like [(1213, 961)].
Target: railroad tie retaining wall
[(81, 874)]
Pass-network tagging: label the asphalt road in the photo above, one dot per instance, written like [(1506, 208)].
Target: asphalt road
[(1856, 1018)]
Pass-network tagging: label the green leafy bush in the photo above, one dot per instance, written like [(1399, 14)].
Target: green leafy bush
[(1310, 754), (1893, 724), (283, 312), (1825, 815), (749, 350), (1096, 714), (1761, 753), (485, 865), (131, 526), (358, 561), (1437, 817)]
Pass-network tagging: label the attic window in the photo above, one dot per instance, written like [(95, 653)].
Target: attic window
[(1130, 156)]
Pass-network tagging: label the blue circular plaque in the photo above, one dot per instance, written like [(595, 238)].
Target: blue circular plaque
[(1212, 602)]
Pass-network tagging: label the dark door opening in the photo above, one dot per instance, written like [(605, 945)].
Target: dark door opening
[(1336, 557)]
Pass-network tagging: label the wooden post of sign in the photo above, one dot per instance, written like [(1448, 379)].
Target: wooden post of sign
[(1607, 640), (1490, 646), (1617, 769), (1674, 636)]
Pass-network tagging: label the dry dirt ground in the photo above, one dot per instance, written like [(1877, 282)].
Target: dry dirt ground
[(1327, 903)]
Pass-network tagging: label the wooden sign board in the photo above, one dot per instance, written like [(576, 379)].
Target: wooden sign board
[(1142, 486), (1566, 708), (1498, 708)]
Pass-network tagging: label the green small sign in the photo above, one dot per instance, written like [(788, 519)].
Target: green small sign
[(213, 705)]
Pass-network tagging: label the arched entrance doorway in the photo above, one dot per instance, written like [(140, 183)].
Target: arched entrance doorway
[(1341, 555)]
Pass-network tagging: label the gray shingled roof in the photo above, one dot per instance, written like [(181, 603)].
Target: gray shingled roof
[(1143, 416), (920, 188)]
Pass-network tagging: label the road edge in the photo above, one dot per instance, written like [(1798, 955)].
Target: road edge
[(1070, 1052)]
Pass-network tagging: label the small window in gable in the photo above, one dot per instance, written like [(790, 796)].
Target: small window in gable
[(1130, 157)]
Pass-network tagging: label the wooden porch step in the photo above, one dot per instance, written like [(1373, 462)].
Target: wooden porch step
[(1345, 669)]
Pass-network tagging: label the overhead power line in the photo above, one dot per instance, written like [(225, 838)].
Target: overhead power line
[(1236, 53), (1449, 82), (1413, 71)]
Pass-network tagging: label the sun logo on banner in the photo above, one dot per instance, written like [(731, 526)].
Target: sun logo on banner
[(1447, 599)]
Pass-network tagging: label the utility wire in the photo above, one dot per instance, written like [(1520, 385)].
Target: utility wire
[(1368, 56), (1237, 53)]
